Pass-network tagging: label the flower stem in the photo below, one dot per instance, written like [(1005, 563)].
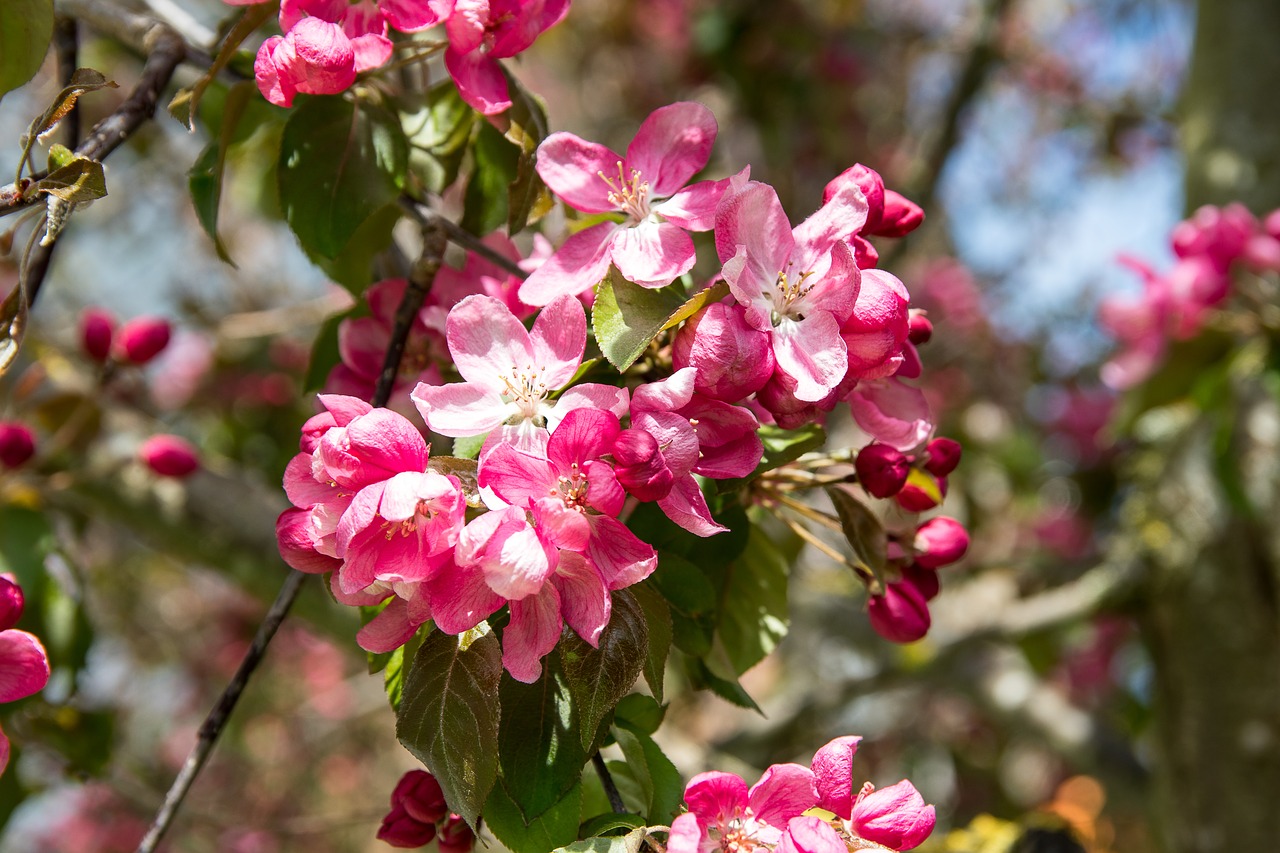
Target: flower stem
[(606, 780)]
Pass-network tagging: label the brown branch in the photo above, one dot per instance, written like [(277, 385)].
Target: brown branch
[(421, 278)]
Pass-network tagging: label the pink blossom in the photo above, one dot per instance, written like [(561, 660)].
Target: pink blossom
[(895, 817), (24, 665), (169, 456), (881, 470), (417, 807), (900, 614), (725, 815), (142, 339), (940, 541), (942, 455), (798, 286), (651, 247), (892, 412), (483, 31), (479, 275), (97, 326), (889, 214), (733, 359), (509, 373), (729, 443), (877, 329), (1218, 234)]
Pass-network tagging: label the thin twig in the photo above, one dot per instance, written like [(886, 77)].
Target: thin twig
[(606, 782), (461, 236), (420, 280), (66, 46)]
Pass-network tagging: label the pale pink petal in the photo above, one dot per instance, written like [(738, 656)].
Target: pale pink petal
[(672, 145), (359, 598), (572, 168), (842, 215), (686, 833), (811, 835), (686, 506), (520, 566), (694, 207), (486, 341), (532, 633), (753, 217), (579, 265), (24, 666), (558, 338), (300, 484), (834, 290), (896, 817), (372, 50), (584, 599), (607, 398), (459, 408), (716, 797), (479, 79), (652, 254), (518, 478), (359, 515), (812, 353), (832, 767), (564, 527), (665, 395), (467, 24), (620, 556), (389, 630), (893, 413), (460, 598)]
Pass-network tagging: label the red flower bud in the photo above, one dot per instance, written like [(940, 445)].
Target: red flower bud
[(422, 797), (400, 830), (11, 602), (901, 615), (944, 456), (17, 444), (901, 216), (881, 470), (912, 498), (924, 580), (921, 329), (169, 456), (97, 326), (639, 466), (142, 339), (940, 541), (456, 836)]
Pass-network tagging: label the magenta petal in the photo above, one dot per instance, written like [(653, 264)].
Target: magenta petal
[(896, 817), (296, 545), (584, 599), (460, 598), (607, 398), (893, 413), (272, 74), (24, 666), (686, 834), (812, 353), (518, 478), (519, 565), (372, 50), (564, 527), (344, 409), (716, 797), (694, 207), (389, 630), (558, 338), (467, 24), (571, 167), (783, 792), (326, 62), (582, 435), (410, 16), (672, 145), (579, 265), (832, 767), (620, 556), (11, 602), (811, 835), (686, 506), (532, 633), (479, 79)]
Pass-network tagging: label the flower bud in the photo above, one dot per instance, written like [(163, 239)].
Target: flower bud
[(17, 444), (456, 836), (921, 329), (400, 830), (924, 580), (733, 359), (940, 542), (297, 546), (169, 456), (97, 327), (142, 339), (872, 186), (901, 216), (11, 602), (881, 470), (912, 498), (900, 615), (422, 797), (896, 817), (943, 456), (639, 466)]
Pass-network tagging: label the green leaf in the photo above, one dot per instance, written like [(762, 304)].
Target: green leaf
[(730, 690), (608, 825), (449, 718), (59, 156), (554, 828), (485, 204), (438, 125), (539, 748), (469, 446), (657, 615), (640, 712), (26, 28), (353, 267), (599, 677), (340, 163), (697, 302), (79, 181), (862, 528), (250, 19), (626, 317), (753, 602), (82, 80), (205, 178), (526, 127), (658, 778), (396, 670), (324, 354)]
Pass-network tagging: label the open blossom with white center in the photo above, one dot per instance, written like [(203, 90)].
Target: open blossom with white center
[(725, 816), (510, 373), (799, 286), (651, 247)]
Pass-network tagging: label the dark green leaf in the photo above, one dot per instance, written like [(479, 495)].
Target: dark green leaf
[(205, 178), (753, 602), (26, 28), (353, 267), (79, 181), (626, 317), (526, 120), (82, 80), (658, 778), (439, 126), (862, 528), (554, 828), (485, 204), (640, 712), (599, 677), (780, 447), (539, 747), (657, 615), (730, 690), (340, 163), (449, 720)]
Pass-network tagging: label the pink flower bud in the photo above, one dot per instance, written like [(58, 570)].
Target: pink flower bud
[(11, 602), (921, 329), (297, 545), (97, 326), (142, 339), (639, 466), (944, 456), (901, 615), (872, 186), (896, 817), (924, 580), (400, 830), (733, 359), (17, 444), (169, 456), (912, 498), (940, 542), (901, 216), (864, 254), (881, 470), (422, 797), (456, 836)]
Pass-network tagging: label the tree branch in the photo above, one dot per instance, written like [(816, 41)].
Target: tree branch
[(421, 277), (606, 781)]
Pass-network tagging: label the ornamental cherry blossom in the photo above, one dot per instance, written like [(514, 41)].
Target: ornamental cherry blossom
[(484, 31), (650, 247), (724, 815), (895, 818)]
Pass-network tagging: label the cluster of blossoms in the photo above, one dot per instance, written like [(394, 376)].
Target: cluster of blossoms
[(779, 812), (420, 815), (326, 43), (1174, 306), (24, 666)]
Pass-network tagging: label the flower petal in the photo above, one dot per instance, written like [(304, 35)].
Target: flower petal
[(618, 554), (486, 341), (832, 767), (479, 79), (716, 797), (584, 599), (652, 254), (783, 792), (24, 666), (558, 338), (812, 353), (811, 835), (532, 633), (579, 265), (686, 506), (573, 168), (672, 145)]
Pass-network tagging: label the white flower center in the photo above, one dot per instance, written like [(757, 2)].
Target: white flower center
[(631, 196), (786, 292), (526, 389)]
